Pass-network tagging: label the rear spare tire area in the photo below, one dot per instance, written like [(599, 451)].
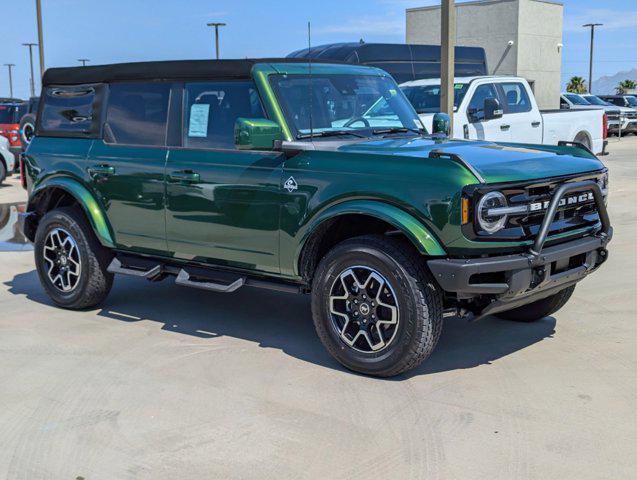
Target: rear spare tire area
[(376, 308), (71, 263), (540, 309), (27, 129)]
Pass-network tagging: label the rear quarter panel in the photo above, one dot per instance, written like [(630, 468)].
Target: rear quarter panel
[(567, 124)]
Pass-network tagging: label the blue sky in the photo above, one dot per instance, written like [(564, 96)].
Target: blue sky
[(133, 30)]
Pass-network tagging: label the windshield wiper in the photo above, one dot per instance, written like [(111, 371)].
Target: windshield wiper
[(382, 131), (331, 133)]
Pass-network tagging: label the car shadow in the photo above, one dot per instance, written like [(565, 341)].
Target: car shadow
[(284, 321)]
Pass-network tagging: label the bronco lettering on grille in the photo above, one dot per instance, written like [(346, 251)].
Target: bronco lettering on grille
[(572, 200)]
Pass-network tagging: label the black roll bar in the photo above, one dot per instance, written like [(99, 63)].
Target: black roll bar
[(552, 210)]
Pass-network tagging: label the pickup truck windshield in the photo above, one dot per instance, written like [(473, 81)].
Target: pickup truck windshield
[(632, 101), (593, 100), (426, 98), (341, 104), (576, 99)]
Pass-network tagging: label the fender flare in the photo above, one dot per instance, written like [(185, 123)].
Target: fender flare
[(419, 235), (92, 208)]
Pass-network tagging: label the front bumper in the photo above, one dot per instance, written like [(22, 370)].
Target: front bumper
[(496, 284)]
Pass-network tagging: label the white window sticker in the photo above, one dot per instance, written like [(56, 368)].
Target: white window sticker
[(198, 125)]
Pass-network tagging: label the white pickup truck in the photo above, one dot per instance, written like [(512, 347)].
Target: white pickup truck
[(503, 109)]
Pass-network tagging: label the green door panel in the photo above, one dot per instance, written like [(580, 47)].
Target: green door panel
[(133, 193), (89, 203), (417, 233), (228, 212)]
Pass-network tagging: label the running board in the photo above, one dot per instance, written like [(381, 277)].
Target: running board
[(183, 278), (117, 267)]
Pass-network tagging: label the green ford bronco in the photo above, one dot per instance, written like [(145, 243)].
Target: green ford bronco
[(312, 178)]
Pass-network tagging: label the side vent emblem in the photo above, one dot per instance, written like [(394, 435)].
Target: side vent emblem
[(290, 185)]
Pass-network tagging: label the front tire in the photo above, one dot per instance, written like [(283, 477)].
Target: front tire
[(537, 310), (70, 261), (376, 308)]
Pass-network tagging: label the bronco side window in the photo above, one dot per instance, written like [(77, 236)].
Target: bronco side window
[(137, 113), (212, 108), (70, 111)]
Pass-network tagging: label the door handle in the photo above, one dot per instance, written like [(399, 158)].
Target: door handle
[(504, 128), (185, 176), (102, 170), (535, 124)]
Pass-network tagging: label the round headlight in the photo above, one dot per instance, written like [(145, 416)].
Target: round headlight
[(491, 223)]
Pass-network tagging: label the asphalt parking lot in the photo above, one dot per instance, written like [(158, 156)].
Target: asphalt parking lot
[(168, 382)]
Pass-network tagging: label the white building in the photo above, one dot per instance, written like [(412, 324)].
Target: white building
[(520, 37)]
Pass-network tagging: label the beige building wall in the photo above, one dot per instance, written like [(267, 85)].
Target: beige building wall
[(533, 26)]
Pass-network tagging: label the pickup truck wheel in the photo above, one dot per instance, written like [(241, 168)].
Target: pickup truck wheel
[(70, 261), (3, 171), (376, 308), (540, 309), (583, 139)]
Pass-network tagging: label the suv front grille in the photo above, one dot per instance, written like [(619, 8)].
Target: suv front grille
[(579, 210)]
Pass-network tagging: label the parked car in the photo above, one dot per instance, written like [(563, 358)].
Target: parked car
[(27, 122), (402, 61), (625, 101), (7, 159), (11, 110), (627, 116), (226, 174), (575, 101), (503, 109)]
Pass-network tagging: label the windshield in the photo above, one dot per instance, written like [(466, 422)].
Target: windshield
[(632, 101), (576, 99), (426, 98), (343, 103), (593, 100)]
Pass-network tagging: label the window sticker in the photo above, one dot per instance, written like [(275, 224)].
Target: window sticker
[(458, 86), (198, 125)]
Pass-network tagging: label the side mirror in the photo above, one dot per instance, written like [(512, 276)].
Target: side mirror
[(492, 108), (256, 134), (441, 124)]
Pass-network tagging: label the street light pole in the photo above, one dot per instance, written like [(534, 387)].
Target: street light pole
[(38, 12), (83, 61), (10, 66), (216, 25), (590, 65), (31, 80), (447, 63)]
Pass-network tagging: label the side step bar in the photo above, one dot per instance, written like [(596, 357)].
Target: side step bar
[(117, 267), (183, 278)]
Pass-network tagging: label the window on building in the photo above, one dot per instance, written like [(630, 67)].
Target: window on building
[(212, 108), (137, 113)]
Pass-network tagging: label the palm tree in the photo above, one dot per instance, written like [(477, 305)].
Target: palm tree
[(576, 85), (625, 85)]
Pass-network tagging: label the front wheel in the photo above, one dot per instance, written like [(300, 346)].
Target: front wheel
[(70, 261), (539, 309), (376, 308)]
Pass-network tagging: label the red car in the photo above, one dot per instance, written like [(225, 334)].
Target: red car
[(11, 112)]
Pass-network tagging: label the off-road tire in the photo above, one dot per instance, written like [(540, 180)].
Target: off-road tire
[(540, 309), (27, 121), (95, 281), (418, 297)]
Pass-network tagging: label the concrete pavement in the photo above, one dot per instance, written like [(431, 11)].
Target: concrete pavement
[(168, 382)]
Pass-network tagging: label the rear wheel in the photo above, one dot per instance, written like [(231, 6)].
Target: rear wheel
[(584, 140), (3, 171), (70, 261), (540, 309), (376, 308)]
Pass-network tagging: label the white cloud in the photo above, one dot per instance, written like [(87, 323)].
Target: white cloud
[(612, 19)]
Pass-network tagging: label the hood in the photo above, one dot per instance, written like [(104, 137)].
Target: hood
[(491, 161)]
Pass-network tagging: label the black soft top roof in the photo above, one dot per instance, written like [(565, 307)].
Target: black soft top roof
[(162, 70)]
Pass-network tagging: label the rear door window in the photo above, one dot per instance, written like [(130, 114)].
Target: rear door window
[(137, 113), (516, 98), (71, 111), (212, 108)]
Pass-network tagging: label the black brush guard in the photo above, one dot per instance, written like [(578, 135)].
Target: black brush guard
[(526, 277)]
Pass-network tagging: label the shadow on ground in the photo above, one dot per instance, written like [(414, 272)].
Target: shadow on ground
[(283, 321)]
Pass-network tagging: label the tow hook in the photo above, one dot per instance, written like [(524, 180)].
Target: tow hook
[(538, 276)]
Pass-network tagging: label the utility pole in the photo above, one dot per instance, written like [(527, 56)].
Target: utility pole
[(447, 57), (216, 25), (590, 65), (10, 66), (31, 80), (83, 61), (38, 11)]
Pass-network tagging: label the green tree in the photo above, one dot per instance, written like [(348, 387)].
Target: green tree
[(625, 85), (576, 85)]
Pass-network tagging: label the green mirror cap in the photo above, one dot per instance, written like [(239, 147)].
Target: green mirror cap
[(256, 133), (441, 124)]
